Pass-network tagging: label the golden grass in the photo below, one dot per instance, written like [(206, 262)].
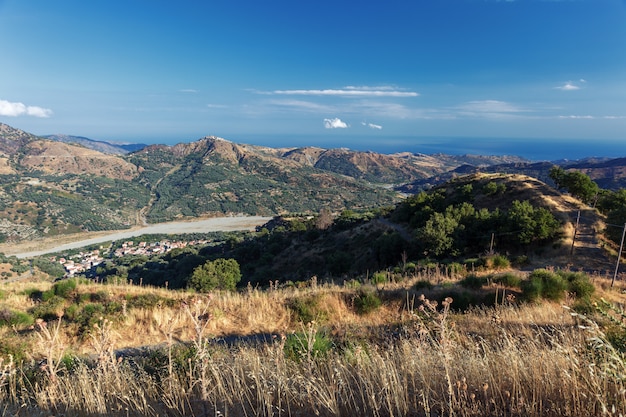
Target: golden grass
[(400, 360)]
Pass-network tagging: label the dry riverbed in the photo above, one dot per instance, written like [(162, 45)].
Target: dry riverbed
[(74, 241)]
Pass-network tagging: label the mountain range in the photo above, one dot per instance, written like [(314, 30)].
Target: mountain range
[(62, 184)]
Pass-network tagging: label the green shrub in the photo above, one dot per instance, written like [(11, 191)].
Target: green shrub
[(307, 345), (379, 278), (90, 315), (64, 288), (542, 283), (422, 285), (15, 318), (366, 302), (456, 268), (616, 335), (500, 262), (578, 283), (472, 281), (508, 280), (16, 347), (145, 301), (474, 262), (48, 309), (521, 260), (532, 289), (554, 287), (307, 309)]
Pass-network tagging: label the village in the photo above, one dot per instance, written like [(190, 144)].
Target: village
[(85, 261)]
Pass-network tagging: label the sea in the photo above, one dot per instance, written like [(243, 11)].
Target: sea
[(533, 149)]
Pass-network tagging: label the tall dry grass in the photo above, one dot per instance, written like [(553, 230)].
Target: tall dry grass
[(506, 361)]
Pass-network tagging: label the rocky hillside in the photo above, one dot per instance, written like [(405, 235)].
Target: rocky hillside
[(64, 185), (607, 173), (98, 145)]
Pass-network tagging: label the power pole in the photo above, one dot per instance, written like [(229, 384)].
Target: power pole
[(619, 255)]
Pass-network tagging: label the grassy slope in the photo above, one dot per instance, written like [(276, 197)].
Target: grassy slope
[(524, 358)]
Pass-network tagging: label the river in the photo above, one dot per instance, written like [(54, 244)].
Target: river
[(217, 224)]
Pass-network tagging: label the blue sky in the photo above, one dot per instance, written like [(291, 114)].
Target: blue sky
[(335, 72)]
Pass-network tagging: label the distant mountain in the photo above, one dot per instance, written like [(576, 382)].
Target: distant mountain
[(12, 139), (64, 185), (607, 173), (98, 145)]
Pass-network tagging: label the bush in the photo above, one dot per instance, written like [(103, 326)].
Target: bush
[(472, 281), (500, 262), (578, 283), (14, 318), (422, 285), (508, 280), (64, 288), (366, 302), (544, 284), (307, 309), (521, 260), (379, 278), (307, 345), (532, 289)]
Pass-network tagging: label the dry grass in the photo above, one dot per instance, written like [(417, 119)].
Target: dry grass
[(513, 360)]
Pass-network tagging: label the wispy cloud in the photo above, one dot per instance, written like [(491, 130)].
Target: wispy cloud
[(14, 109), (372, 126), (590, 117), (489, 108), (349, 91), (574, 116), (570, 86), (335, 123), (188, 90), (303, 105)]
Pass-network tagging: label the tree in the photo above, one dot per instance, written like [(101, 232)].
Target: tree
[(576, 183), (531, 224), (324, 219), (436, 235), (222, 274)]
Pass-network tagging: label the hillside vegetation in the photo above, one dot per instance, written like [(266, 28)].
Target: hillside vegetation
[(464, 300), (63, 184), (462, 223)]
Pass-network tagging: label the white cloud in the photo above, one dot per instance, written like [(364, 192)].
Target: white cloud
[(569, 86), (335, 123), (349, 91), (489, 108), (188, 90), (372, 126), (12, 109), (573, 116), (302, 105)]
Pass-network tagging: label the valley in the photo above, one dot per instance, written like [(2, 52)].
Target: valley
[(221, 224), (248, 280)]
